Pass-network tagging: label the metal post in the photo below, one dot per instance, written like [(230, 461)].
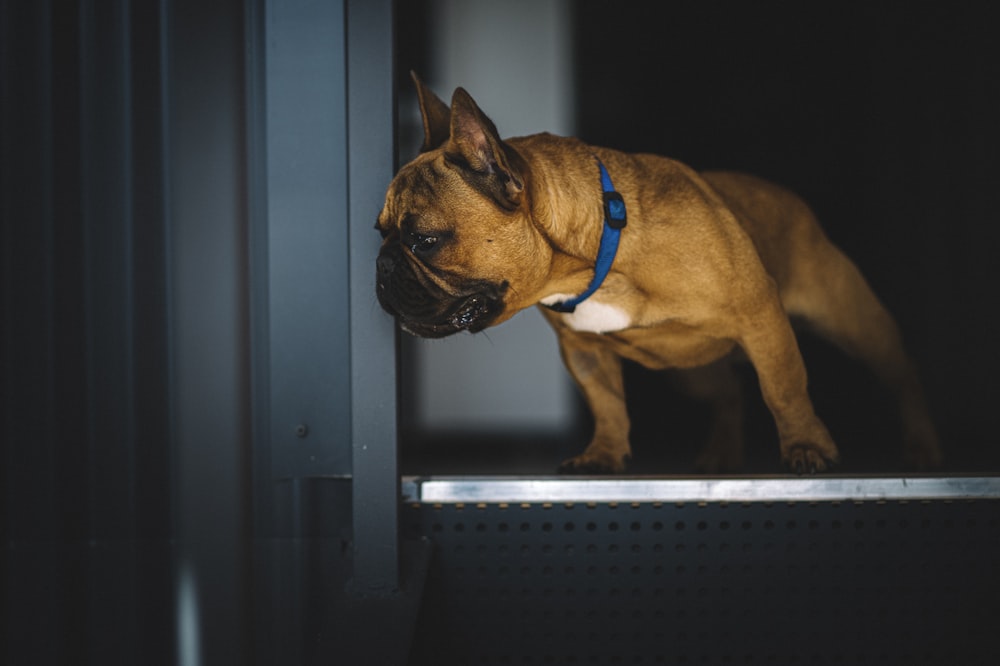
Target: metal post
[(370, 108)]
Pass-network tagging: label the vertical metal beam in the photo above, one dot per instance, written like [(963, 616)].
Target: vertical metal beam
[(370, 114), (304, 124)]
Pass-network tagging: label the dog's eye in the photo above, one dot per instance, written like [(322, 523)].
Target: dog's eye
[(419, 243)]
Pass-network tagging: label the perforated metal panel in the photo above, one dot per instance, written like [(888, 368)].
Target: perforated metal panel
[(891, 581)]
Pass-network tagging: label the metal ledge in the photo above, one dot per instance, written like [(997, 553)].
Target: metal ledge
[(513, 490)]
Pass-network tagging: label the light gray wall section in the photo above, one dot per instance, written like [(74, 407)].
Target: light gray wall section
[(514, 58)]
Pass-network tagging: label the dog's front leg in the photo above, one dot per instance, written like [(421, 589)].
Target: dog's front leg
[(598, 372), (768, 340)]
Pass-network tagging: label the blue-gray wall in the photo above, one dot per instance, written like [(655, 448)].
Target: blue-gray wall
[(185, 395)]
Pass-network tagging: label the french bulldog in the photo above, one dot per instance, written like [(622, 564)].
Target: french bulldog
[(633, 256)]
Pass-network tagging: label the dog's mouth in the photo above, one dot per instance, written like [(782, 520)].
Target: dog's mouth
[(472, 311), (425, 309), (472, 314)]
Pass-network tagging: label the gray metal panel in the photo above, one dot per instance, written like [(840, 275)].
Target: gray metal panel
[(305, 126), (886, 582), (85, 471)]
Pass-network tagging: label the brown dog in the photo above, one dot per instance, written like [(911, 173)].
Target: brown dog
[(477, 229)]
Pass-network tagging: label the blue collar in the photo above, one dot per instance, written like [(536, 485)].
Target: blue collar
[(614, 222)]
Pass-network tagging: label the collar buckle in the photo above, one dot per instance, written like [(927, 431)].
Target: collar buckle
[(614, 221), (614, 210)]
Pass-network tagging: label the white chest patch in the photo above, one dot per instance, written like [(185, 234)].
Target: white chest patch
[(592, 316)]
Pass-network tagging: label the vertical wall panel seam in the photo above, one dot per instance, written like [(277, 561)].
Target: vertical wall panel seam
[(48, 439), (47, 220), (86, 30), (257, 214), (169, 437), (128, 207), (6, 279), (168, 262)]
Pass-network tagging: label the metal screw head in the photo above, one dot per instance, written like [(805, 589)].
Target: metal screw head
[(302, 431)]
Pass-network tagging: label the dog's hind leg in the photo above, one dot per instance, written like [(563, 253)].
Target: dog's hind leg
[(836, 301), (719, 386)]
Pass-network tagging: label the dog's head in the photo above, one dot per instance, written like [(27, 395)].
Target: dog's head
[(459, 251)]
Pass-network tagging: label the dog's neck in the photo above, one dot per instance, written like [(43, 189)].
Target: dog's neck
[(563, 176)]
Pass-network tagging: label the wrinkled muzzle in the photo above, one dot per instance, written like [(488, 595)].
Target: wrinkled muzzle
[(427, 308)]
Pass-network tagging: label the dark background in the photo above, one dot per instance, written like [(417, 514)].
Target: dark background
[(883, 116)]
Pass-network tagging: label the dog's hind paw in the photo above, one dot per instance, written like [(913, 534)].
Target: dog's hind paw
[(807, 459), (921, 447), (923, 459), (588, 463)]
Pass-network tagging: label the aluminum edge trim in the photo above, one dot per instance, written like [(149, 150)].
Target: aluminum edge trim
[(453, 490)]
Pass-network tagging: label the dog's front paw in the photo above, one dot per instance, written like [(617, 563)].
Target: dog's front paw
[(595, 462), (807, 458)]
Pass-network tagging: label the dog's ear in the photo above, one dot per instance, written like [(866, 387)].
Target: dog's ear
[(475, 143), (435, 114)]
